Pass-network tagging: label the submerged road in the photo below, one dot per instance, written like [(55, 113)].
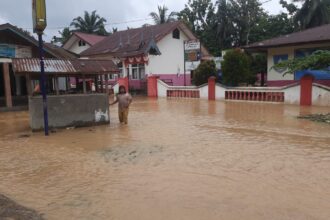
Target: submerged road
[(176, 159)]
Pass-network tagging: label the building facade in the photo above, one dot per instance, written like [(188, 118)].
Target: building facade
[(295, 45), (150, 50)]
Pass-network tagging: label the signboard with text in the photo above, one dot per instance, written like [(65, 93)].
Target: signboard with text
[(192, 54), (15, 51)]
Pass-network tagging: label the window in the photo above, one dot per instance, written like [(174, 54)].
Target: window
[(138, 71), (81, 43), (176, 34), (120, 67), (135, 70)]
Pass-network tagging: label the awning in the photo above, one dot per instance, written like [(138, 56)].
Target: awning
[(64, 67)]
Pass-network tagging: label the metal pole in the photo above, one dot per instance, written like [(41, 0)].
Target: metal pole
[(43, 84), (184, 64)]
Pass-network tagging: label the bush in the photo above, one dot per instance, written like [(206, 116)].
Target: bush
[(236, 68), (203, 72)]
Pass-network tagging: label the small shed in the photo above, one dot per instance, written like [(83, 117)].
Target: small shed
[(74, 106)]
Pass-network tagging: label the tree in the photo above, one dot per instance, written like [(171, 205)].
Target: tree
[(270, 26), (245, 14), (203, 72), (91, 23), (318, 60), (65, 35), (200, 17), (311, 14), (259, 66), (161, 17), (236, 68)]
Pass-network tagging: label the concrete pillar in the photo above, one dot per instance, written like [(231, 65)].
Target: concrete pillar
[(6, 79), (211, 87), (28, 85), (56, 86), (306, 87), (123, 82), (18, 85), (106, 76), (152, 86), (84, 85)]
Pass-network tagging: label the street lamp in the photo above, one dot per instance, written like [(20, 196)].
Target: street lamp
[(39, 25)]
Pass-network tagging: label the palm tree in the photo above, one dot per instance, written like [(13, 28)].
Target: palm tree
[(90, 23), (312, 13), (161, 17)]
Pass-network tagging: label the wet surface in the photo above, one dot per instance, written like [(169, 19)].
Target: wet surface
[(176, 159)]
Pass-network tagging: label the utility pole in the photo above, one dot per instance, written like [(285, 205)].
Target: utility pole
[(39, 25)]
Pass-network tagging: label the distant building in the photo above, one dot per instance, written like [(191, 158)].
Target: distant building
[(79, 42), (15, 43), (149, 50), (298, 44)]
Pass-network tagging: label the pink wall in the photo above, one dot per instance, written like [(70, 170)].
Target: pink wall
[(177, 80)]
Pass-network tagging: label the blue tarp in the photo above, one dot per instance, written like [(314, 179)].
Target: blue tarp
[(317, 74)]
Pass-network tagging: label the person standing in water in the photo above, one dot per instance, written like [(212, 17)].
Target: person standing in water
[(124, 100)]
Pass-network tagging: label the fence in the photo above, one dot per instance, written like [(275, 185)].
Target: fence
[(254, 96)]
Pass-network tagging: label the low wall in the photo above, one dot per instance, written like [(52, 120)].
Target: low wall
[(70, 110), (287, 94)]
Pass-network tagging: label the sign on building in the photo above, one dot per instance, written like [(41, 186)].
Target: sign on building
[(192, 54), (15, 51)]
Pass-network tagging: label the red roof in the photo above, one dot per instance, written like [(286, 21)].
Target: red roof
[(313, 35), (136, 41), (91, 39)]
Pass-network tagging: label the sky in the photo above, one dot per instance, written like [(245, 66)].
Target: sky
[(119, 13)]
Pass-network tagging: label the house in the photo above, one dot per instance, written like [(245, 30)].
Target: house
[(16, 43), (149, 50), (298, 44), (79, 42)]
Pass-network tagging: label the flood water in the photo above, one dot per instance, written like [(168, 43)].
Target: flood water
[(176, 159)]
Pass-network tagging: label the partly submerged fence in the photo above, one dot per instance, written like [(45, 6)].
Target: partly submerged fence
[(291, 94), (252, 95)]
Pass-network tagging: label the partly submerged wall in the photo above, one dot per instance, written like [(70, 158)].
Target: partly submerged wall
[(287, 94), (70, 110)]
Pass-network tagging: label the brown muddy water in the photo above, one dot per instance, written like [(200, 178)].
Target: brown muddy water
[(176, 159)]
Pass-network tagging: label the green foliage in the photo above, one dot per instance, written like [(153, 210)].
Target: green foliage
[(236, 68), (203, 72), (65, 35), (319, 60), (91, 23), (161, 16)]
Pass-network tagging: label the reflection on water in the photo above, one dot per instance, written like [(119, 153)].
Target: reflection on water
[(177, 159)]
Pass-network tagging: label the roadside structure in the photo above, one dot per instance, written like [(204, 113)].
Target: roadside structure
[(17, 43), (79, 42), (156, 50), (295, 45), (79, 107)]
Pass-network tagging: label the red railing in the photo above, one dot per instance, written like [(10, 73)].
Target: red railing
[(183, 93), (255, 96)]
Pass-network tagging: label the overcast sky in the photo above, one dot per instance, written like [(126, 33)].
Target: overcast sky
[(61, 12)]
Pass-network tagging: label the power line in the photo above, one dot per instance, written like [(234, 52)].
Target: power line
[(106, 24)]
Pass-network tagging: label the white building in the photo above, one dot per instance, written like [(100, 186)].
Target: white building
[(150, 50), (80, 42), (295, 45)]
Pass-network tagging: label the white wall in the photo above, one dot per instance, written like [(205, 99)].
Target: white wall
[(272, 74), (320, 95), (75, 48), (171, 59)]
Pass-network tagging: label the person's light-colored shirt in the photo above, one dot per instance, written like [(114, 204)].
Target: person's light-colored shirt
[(124, 100)]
